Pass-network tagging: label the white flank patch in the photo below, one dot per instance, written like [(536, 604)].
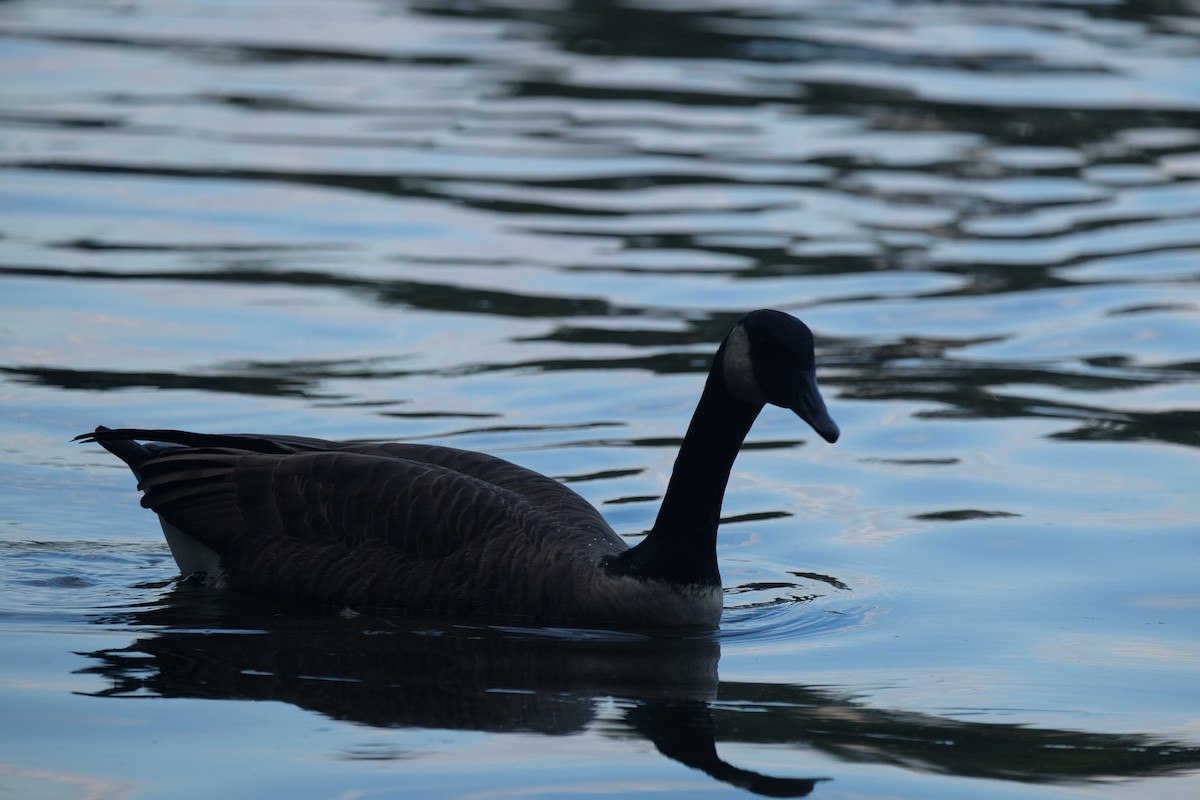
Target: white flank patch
[(193, 556)]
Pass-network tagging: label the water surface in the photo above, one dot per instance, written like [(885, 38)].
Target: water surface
[(522, 227)]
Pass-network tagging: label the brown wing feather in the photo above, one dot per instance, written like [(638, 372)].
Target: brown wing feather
[(541, 491), (406, 527), (535, 487)]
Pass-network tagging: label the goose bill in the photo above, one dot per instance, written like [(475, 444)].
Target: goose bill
[(810, 407)]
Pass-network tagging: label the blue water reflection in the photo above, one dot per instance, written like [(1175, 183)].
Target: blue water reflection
[(521, 227)]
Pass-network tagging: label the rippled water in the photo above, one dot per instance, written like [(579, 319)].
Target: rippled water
[(522, 227)]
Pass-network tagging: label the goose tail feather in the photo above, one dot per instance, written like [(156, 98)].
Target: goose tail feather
[(136, 446)]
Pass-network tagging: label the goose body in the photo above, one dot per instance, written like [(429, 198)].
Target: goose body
[(419, 529)]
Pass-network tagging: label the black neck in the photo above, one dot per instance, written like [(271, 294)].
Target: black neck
[(682, 545)]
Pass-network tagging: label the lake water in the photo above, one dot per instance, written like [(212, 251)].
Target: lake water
[(522, 226)]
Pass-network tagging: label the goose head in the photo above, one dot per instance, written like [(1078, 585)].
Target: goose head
[(768, 358)]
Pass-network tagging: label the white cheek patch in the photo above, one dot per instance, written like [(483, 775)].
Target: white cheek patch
[(738, 369)]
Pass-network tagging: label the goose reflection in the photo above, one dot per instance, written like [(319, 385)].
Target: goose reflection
[(390, 674), (385, 674)]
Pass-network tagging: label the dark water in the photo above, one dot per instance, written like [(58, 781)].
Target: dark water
[(522, 227)]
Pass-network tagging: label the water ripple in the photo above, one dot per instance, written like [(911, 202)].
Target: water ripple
[(522, 226)]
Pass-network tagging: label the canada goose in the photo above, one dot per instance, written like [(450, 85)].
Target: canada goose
[(425, 530)]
